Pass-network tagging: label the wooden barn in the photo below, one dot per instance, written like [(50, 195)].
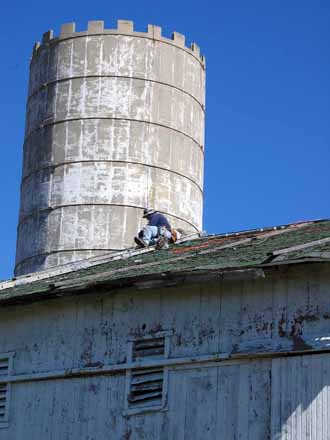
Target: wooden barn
[(220, 337)]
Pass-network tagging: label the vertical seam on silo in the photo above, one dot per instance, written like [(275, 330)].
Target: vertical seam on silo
[(173, 117), (55, 94), (70, 89), (81, 137), (84, 80), (124, 223), (66, 138), (93, 215), (148, 192), (50, 192), (148, 186), (99, 93), (171, 154)]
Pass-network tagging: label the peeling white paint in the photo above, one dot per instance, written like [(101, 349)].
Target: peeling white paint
[(123, 123)]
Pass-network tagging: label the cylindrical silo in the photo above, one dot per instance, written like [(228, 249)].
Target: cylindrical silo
[(115, 123)]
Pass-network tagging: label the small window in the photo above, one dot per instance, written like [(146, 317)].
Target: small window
[(5, 364), (147, 378)]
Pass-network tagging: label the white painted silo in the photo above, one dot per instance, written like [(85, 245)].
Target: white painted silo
[(115, 123)]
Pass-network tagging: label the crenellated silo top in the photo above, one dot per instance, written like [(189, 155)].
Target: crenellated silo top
[(143, 55), (124, 27)]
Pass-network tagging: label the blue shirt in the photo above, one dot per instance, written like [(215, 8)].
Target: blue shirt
[(159, 220)]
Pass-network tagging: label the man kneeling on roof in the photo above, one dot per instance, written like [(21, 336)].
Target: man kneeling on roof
[(157, 231)]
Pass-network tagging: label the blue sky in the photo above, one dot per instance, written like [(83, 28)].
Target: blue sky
[(268, 107)]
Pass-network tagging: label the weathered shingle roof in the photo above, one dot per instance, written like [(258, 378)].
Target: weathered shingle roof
[(219, 255)]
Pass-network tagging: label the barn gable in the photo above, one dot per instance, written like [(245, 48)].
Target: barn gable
[(219, 335)]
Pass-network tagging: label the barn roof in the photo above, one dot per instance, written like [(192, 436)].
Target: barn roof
[(224, 256)]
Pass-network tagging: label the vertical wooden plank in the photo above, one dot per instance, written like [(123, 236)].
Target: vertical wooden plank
[(295, 382), (107, 330), (313, 407), (91, 339), (286, 394), (325, 396), (320, 388), (73, 406), (276, 399), (133, 315), (200, 414), (256, 311), (120, 321), (230, 328), (209, 319), (145, 426), (180, 309), (243, 402), (90, 405), (177, 401), (300, 387), (304, 399), (296, 373), (227, 401), (146, 315), (116, 392), (326, 403), (318, 303), (101, 417), (280, 325), (46, 408), (259, 399), (308, 396), (63, 337)]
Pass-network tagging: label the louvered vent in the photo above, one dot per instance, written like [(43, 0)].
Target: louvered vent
[(149, 348), (146, 384), (146, 387), (4, 370)]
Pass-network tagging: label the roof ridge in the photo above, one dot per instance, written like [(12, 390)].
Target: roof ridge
[(83, 264), (301, 223), (131, 252)]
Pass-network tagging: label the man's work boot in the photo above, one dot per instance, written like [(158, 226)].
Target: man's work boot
[(162, 243), (140, 242)]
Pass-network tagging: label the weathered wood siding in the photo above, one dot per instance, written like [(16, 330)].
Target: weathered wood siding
[(229, 400), (241, 396), (301, 398)]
